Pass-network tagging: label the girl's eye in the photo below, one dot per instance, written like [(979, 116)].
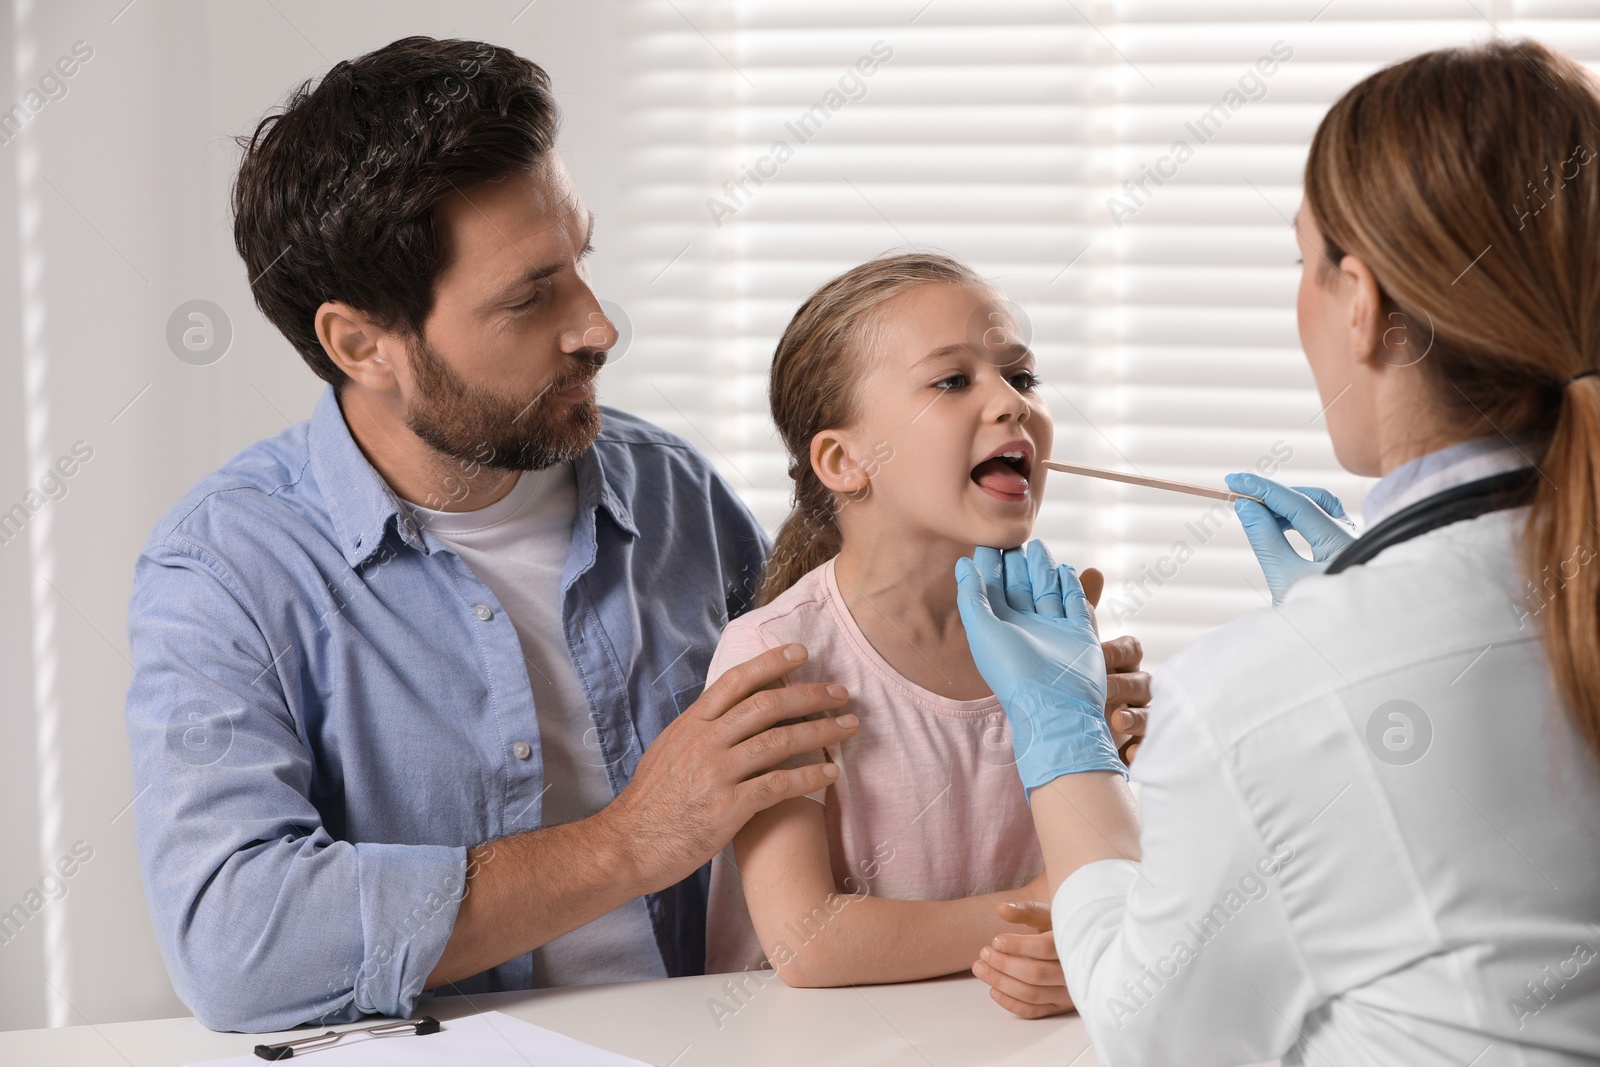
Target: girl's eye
[(951, 383), (1026, 382)]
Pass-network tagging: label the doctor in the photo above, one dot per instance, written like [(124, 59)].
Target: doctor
[(1371, 813)]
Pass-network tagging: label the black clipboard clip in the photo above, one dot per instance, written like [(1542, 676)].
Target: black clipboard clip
[(420, 1027)]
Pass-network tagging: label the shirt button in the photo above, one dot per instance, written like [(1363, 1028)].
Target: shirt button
[(522, 749), (482, 611)]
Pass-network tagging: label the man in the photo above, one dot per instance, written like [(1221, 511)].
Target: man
[(333, 700), (417, 691)]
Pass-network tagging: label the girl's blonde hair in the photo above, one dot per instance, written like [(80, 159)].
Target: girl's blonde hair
[(816, 372), (1466, 179)]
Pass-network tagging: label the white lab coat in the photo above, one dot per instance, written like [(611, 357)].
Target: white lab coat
[(1300, 897)]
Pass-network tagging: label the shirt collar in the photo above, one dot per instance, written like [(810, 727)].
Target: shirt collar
[(603, 483), (361, 504), (1446, 468)]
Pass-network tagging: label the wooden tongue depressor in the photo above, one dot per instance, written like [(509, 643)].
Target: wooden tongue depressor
[(1151, 483)]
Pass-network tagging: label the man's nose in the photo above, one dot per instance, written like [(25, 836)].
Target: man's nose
[(591, 329)]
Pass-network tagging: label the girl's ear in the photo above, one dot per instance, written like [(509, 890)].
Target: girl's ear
[(834, 461)]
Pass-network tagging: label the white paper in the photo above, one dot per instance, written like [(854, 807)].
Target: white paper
[(492, 1039)]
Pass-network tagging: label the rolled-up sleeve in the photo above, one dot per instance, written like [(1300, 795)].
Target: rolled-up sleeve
[(1186, 957), (265, 920)]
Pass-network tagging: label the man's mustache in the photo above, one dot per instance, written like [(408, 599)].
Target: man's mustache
[(589, 361), (594, 358)]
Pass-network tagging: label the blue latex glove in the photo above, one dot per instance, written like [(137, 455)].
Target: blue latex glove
[(1316, 514), (1028, 624)]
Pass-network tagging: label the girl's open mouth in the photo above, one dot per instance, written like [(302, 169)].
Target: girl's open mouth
[(1005, 473)]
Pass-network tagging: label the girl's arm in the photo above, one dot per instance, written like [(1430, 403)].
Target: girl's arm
[(817, 936)]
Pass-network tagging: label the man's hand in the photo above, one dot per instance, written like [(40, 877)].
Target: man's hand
[(712, 767), (1023, 971), (1127, 692), (695, 786), (1127, 687)]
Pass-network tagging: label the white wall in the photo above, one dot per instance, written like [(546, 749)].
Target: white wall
[(121, 214)]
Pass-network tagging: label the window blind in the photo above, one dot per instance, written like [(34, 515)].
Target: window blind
[(1126, 171)]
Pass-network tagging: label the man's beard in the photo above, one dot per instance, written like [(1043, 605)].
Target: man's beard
[(490, 429)]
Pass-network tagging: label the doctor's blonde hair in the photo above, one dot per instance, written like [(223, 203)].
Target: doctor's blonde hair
[(1467, 179), (816, 374)]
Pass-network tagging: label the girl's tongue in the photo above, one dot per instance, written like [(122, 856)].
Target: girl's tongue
[(999, 476)]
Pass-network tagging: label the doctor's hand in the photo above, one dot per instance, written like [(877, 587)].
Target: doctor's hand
[(1316, 514), (1028, 625), (1023, 971)]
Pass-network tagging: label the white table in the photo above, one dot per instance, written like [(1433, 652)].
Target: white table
[(948, 1022)]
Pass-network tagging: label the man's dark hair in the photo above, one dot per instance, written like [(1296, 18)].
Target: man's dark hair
[(335, 194)]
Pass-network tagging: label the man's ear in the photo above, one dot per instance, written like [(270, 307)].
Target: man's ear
[(358, 346), (834, 461), (1367, 325)]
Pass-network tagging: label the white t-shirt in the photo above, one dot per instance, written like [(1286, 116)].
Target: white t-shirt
[(518, 546)]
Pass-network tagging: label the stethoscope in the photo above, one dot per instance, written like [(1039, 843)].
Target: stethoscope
[(1512, 489)]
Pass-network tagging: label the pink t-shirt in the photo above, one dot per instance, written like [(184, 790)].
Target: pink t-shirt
[(927, 805)]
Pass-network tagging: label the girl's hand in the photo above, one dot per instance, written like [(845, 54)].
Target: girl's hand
[(1023, 970)]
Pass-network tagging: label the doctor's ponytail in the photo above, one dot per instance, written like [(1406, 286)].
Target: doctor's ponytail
[(815, 386), (1468, 180), (1562, 553)]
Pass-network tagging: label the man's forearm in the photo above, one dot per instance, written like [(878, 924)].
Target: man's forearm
[(526, 890), (701, 779)]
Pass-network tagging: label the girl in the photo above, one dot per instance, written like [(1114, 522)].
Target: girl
[(915, 431)]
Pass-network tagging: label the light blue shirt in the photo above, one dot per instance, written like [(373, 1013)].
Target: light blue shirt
[(1442, 469), (328, 708)]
